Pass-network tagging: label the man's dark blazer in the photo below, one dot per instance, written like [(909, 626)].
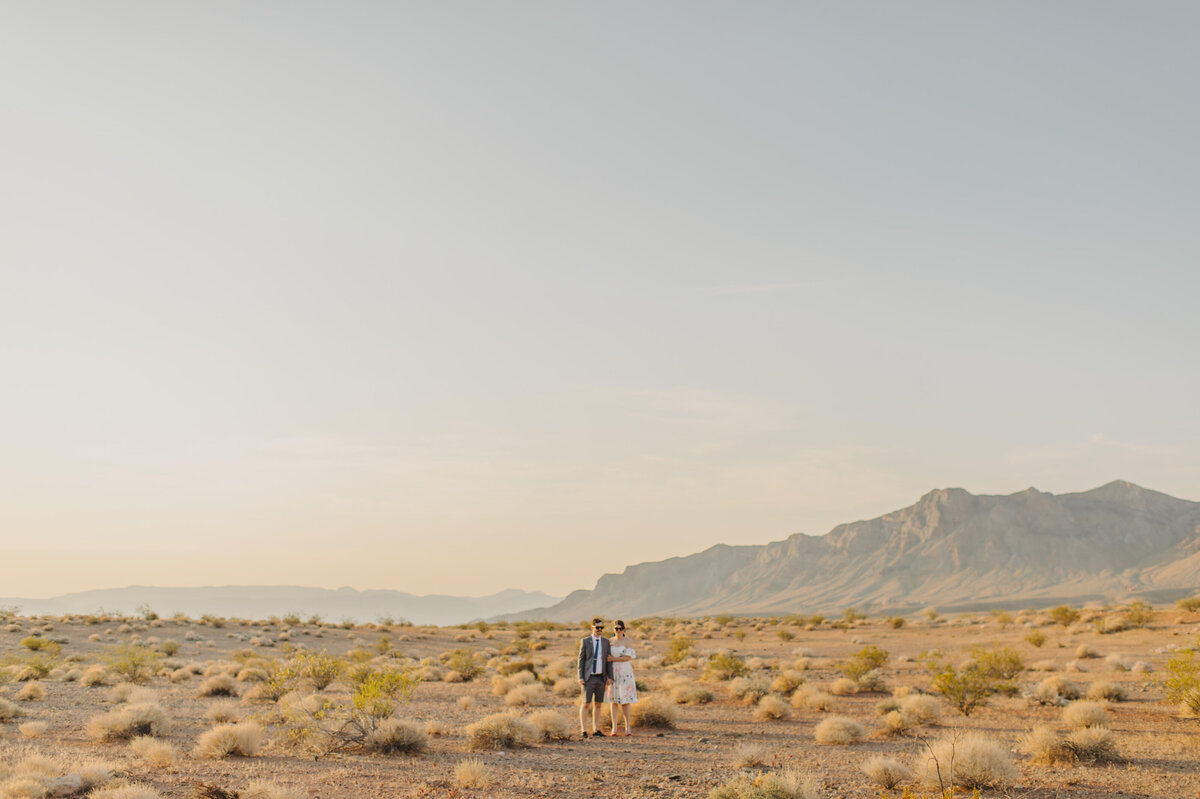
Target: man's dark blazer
[(587, 658)]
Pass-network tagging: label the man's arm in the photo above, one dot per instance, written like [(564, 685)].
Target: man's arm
[(582, 657)]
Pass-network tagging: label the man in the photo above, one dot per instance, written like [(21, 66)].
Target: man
[(595, 674)]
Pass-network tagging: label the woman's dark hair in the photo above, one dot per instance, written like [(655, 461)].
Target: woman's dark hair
[(620, 625)]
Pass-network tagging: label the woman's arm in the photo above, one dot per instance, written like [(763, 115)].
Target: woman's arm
[(622, 659)]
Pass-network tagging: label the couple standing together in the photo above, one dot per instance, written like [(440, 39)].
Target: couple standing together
[(606, 676)]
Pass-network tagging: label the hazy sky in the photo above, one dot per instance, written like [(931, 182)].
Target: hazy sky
[(459, 296)]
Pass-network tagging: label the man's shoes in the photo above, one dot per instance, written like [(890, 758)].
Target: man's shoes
[(583, 734)]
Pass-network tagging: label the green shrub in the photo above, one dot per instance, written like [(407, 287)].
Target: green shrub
[(1138, 614), (465, 662), (866, 660), (965, 689), (320, 668), (1036, 638), (1181, 681), (1191, 604), (681, 647), (998, 664), (724, 666), (1064, 615), (132, 662)]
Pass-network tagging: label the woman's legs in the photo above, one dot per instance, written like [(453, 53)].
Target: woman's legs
[(612, 710), (625, 714)]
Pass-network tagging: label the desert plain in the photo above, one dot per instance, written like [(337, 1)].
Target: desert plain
[(491, 710)]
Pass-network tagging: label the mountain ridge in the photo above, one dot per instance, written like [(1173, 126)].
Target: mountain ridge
[(950, 548), (262, 601)]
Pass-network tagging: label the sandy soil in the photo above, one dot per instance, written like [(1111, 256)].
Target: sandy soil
[(1160, 750)]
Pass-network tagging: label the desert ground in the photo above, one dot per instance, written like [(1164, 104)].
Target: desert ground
[(112, 707)]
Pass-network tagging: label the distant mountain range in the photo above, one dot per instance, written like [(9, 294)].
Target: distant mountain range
[(262, 601), (952, 549)]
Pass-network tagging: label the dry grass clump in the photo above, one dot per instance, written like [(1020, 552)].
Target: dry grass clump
[(750, 755), (94, 675), (526, 695), (131, 791), (501, 731), (225, 711), (1054, 690), (551, 725), (970, 761), (1085, 652), (1089, 745), (226, 740), (37, 776), (839, 730), (1116, 663), (690, 694), (128, 692), (787, 681), (502, 685), (809, 697), (9, 710), (472, 774), (1105, 690), (771, 785), (392, 736), (771, 708), (653, 711), (128, 721), (30, 692), (33, 729), (1086, 714), (748, 690), (886, 772), (843, 686), (218, 685), (266, 790), (920, 709), (896, 723), (153, 751)]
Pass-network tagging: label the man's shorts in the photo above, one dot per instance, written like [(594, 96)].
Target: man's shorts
[(593, 688)]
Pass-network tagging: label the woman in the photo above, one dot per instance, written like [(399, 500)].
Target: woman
[(623, 691)]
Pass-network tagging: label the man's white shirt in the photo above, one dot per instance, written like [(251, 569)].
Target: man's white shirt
[(599, 667)]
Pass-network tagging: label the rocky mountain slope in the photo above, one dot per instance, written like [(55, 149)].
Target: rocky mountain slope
[(952, 549)]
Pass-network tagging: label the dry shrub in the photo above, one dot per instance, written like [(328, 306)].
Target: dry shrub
[(896, 723), (843, 686), (472, 774), (551, 725), (128, 721), (243, 739), (839, 730), (218, 685), (128, 692), (1116, 663), (809, 697), (466, 702), (920, 709), (690, 694), (132, 791), (1053, 690), (1094, 745), (748, 690), (771, 708), (9, 710), (971, 761), (501, 685), (1043, 665), (393, 736), (33, 729), (1077, 666), (525, 695), (1085, 714), (787, 681), (30, 692), (94, 675), (750, 755), (225, 711), (1085, 652), (153, 751), (266, 790), (771, 785), (653, 711), (886, 772), (1089, 745), (1105, 690), (501, 731), (253, 675)]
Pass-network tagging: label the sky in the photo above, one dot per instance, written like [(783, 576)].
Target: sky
[(452, 297)]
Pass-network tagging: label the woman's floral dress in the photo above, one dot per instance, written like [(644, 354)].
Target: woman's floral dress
[(623, 690)]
